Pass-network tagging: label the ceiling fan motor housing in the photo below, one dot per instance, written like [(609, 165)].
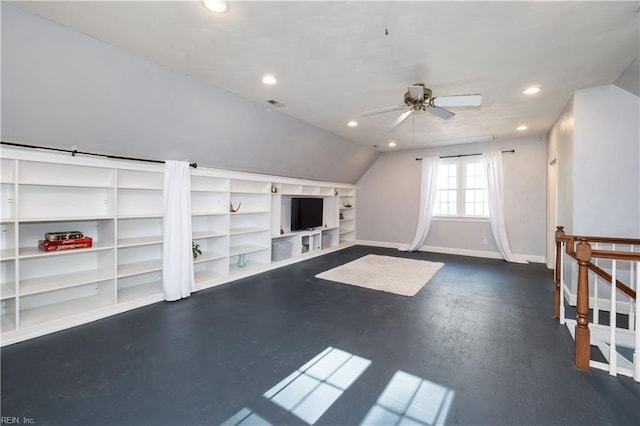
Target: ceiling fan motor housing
[(418, 103)]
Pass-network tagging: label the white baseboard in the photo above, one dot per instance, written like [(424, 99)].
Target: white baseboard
[(379, 244), (456, 251)]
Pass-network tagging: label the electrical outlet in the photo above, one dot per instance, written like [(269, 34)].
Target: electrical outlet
[(484, 241)]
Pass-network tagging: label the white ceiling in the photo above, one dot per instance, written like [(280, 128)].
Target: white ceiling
[(333, 60)]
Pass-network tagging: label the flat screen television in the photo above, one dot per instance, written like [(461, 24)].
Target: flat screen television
[(306, 213)]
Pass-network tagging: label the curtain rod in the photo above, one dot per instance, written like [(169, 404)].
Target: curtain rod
[(73, 152), (512, 151)]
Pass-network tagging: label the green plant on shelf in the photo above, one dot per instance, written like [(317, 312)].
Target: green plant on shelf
[(195, 249)]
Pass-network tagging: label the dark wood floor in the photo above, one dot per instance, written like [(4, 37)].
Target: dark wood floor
[(481, 328)]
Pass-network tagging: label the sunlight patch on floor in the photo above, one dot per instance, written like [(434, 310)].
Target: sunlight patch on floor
[(408, 399), (313, 388)]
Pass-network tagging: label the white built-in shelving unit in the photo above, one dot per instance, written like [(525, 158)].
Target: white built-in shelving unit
[(119, 204), (347, 217)]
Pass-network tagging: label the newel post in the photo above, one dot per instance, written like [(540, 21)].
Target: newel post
[(583, 335), (556, 303)]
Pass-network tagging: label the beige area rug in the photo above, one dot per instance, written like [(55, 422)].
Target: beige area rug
[(395, 275)]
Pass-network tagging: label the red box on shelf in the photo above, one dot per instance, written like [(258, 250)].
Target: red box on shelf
[(77, 243)]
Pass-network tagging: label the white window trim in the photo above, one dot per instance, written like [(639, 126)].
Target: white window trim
[(458, 218), (460, 187)]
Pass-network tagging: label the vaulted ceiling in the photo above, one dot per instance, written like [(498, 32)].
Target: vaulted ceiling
[(334, 60)]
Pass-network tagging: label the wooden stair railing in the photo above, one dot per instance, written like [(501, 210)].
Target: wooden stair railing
[(583, 253)]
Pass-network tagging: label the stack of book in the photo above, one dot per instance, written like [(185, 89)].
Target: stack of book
[(66, 240)]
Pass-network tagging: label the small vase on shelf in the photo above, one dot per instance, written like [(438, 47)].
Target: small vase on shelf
[(242, 260)]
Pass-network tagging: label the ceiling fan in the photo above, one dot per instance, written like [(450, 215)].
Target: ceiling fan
[(419, 98)]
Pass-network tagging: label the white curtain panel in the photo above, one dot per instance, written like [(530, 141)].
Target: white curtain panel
[(177, 262), (428, 190), (493, 165)]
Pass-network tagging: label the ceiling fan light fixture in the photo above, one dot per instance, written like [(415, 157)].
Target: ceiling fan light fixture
[(216, 6), (521, 128), (392, 144), (531, 90), (269, 80)]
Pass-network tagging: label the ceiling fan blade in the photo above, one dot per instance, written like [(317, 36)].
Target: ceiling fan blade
[(416, 92), (381, 110), (400, 119), (457, 101), (440, 112)]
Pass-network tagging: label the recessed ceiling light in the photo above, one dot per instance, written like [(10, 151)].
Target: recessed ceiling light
[(269, 79), (521, 128), (217, 6), (531, 90), (392, 144), (352, 123)]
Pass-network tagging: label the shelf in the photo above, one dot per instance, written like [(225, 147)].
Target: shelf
[(206, 275), (209, 191), (139, 291), (52, 174), (60, 281), (31, 252), (128, 269), (249, 187), (245, 248), (209, 184), (141, 216), (55, 311), (6, 292), (233, 268), (208, 256), (209, 213), (241, 212), (140, 241), (78, 184), (141, 202), (43, 202), (137, 179), (7, 170), (7, 254), (8, 323), (206, 234), (247, 230), (64, 219)]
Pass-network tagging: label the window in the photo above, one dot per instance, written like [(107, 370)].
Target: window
[(462, 188)]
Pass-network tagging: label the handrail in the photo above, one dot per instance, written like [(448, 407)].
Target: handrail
[(605, 240), (620, 255), (583, 253), (607, 277)]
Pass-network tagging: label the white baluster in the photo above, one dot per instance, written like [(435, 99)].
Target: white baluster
[(562, 251), (636, 351), (632, 319), (613, 354), (596, 284)]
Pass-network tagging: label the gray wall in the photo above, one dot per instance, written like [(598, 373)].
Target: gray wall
[(606, 169), (62, 88), (388, 195), (597, 141), (560, 147)]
